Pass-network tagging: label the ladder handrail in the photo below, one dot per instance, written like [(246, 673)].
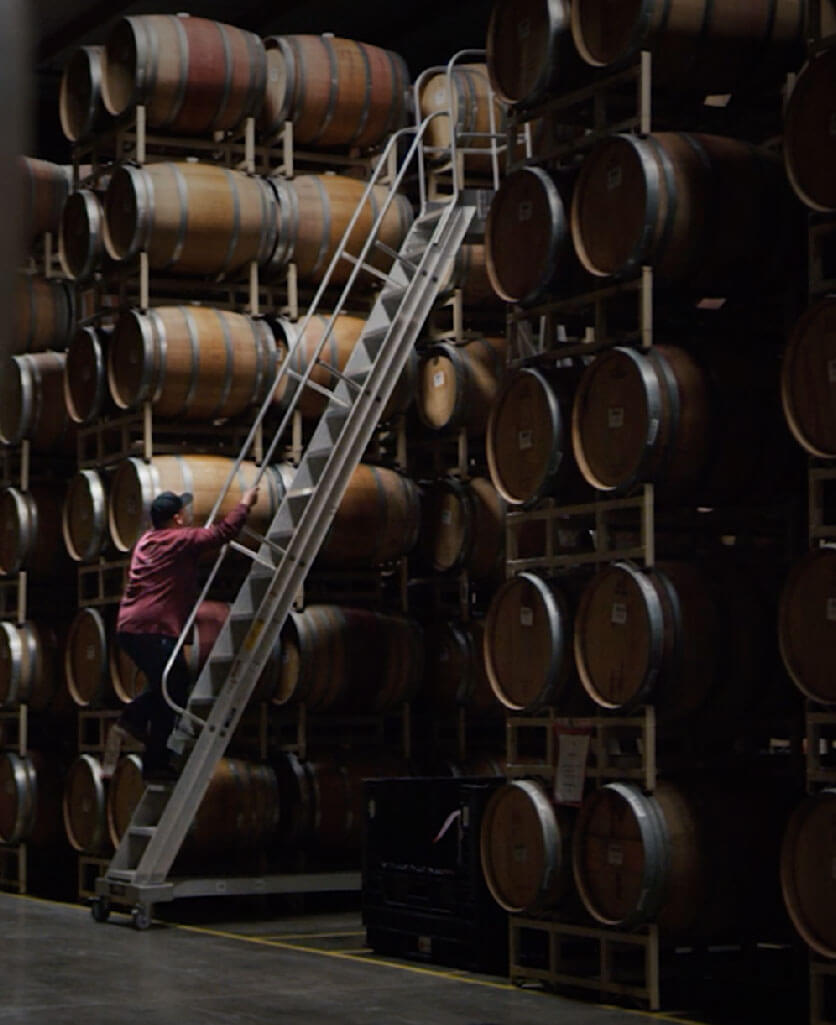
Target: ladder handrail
[(339, 254)]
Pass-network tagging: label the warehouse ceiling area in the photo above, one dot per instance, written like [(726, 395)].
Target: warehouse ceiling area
[(424, 32)]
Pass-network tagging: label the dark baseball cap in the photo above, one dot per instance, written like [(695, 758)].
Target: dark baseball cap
[(166, 504)]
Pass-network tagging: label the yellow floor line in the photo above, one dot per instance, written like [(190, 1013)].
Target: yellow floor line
[(311, 935)]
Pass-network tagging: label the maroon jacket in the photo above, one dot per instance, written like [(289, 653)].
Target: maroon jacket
[(162, 581)]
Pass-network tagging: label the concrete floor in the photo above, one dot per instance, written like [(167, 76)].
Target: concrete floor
[(59, 967)]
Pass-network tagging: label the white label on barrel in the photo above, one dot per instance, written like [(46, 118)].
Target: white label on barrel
[(526, 616), (520, 853), (615, 855), (86, 805), (619, 613), (372, 808), (446, 517), (525, 440), (831, 371), (524, 28), (438, 379), (615, 417), (524, 211), (91, 652), (274, 74), (831, 609), (614, 177), (440, 96)]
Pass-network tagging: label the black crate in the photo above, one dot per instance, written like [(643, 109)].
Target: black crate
[(424, 894)]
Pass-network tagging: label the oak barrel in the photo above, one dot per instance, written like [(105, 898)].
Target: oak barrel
[(193, 75), (525, 847), (528, 642), (45, 189), (527, 237), (86, 658), (30, 538), (123, 795), (809, 143), (808, 379), (85, 821), (457, 384), (85, 379), (45, 314), (377, 520), (808, 854), (528, 441), (333, 657), (530, 52), (313, 213), (82, 235), (191, 362), (30, 670), (455, 675), (136, 483), (468, 273), (190, 218), (689, 205), (30, 799), (84, 516), (32, 402), (469, 102), (337, 92), (696, 44), (807, 624), (462, 526), (80, 106), (239, 812)]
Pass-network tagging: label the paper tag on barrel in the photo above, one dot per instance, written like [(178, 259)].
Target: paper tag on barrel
[(572, 756)]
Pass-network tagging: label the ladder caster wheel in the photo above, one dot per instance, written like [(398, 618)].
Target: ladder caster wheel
[(100, 909), (140, 917)]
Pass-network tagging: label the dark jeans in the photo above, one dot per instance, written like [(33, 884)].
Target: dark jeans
[(149, 714)]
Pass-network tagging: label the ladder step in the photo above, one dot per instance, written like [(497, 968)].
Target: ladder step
[(142, 831), (251, 554), (120, 875)]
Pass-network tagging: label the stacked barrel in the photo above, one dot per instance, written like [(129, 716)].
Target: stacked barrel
[(639, 441), (807, 609), (36, 447), (224, 171)]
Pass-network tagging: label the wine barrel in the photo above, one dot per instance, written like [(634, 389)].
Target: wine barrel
[(527, 238), (454, 669), (528, 444), (123, 795), (136, 483), (193, 75), (82, 235), (337, 92), (682, 636), (689, 205), (528, 653), (189, 218), (30, 799), (809, 146), (345, 658), (807, 624), (463, 526), (313, 214), (808, 854), (642, 417), (31, 535), (86, 658), (128, 682), (468, 273), (530, 52), (45, 314), (239, 812), (701, 46), (808, 377), (525, 847), (32, 402), (457, 384), (85, 381), (191, 362), (29, 666), (377, 520), (85, 820), (84, 516), (45, 189), (80, 106), (469, 102)]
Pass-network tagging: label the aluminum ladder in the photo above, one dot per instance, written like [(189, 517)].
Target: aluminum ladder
[(138, 874)]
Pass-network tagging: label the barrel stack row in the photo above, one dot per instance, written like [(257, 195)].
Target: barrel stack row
[(806, 609), (677, 410)]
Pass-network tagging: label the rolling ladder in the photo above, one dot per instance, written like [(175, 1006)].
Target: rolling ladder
[(138, 875)]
